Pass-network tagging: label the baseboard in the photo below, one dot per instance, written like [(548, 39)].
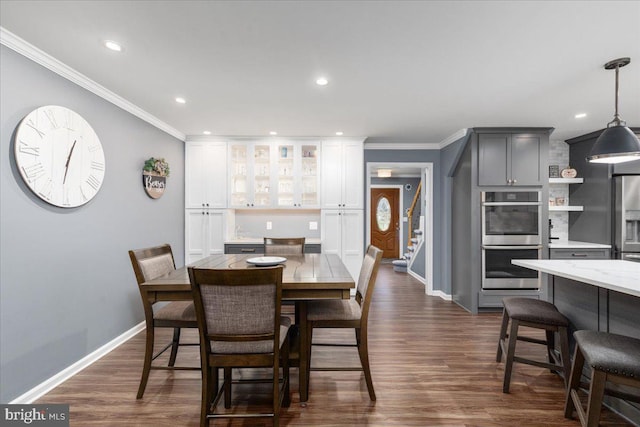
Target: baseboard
[(48, 385), (441, 294)]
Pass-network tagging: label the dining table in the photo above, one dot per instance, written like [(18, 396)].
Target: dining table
[(305, 277)]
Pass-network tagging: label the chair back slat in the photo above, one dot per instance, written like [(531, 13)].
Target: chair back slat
[(367, 279)]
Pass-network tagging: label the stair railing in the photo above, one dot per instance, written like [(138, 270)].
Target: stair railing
[(410, 213)]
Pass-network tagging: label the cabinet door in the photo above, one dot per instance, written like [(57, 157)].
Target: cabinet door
[(195, 227), (332, 174), (205, 175), (195, 181), (492, 159), (331, 231), (353, 175), (352, 240), (261, 166), (215, 232), (240, 176), (308, 176), (286, 166), (525, 160)]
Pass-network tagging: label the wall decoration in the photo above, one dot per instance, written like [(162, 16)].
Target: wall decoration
[(554, 171), (59, 156), (568, 172), (154, 177)]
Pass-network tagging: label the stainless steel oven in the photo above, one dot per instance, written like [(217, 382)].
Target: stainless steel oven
[(511, 218), (499, 273)]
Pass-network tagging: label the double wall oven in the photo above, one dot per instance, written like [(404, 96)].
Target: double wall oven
[(511, 229)]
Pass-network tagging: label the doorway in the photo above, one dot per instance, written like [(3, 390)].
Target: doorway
[(385, 220)]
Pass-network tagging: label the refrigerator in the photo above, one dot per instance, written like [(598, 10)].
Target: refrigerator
[(626, 218)]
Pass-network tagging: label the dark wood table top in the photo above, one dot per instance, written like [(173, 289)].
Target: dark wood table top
[(307, 276)]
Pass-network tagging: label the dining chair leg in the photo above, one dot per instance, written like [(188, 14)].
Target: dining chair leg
[(209, 384), (276, 394), (551, 346), (286, 400), (227, 387), (564, 354), (175, 343), (363, 351), (148, 358), (309, 335), (503, 334)]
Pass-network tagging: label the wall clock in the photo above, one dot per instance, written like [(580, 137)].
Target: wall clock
[(59, 156)]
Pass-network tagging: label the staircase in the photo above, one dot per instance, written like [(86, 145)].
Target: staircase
[(401, 265)]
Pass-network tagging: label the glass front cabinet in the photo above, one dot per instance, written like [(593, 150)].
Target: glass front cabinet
[(278, 174)]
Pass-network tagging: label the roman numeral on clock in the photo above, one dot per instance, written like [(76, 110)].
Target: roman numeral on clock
[(33, 172), (28, 149), (51, 118), (93, 182), (34, 127)]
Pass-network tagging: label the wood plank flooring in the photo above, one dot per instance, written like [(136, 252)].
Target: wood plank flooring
[(433, 364)]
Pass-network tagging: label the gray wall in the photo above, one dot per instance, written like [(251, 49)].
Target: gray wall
[(66, 283)]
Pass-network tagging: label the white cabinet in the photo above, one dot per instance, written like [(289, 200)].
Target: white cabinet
[(297, 175), (205, 175), (274, 174), (342, 174), (343, 235), (204, 233), (250, 168)]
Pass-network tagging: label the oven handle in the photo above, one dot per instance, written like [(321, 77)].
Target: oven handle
[(511, 203), (512, 247)]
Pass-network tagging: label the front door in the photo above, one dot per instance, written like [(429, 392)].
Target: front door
[(385, 220)]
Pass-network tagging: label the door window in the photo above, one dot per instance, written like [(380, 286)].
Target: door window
[(383, 214)]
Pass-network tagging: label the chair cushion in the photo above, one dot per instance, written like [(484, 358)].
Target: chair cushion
[(535, 311), (156, 266), (333, 310), (177, 310), (610, 353), (246, 347)]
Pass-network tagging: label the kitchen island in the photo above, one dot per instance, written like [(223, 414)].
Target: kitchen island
[(599, 295)]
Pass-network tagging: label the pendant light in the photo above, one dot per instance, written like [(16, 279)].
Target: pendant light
[(617, 144)]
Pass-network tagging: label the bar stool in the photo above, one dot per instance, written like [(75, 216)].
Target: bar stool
[(534, 314), (611, 357)]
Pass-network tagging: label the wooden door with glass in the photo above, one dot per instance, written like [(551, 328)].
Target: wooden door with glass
[(385, 220)]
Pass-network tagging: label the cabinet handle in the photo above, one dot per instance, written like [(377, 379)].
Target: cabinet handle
[(203, 205), (248, 250), (579, 255), (207, 213), (207, 204), (513, 181), (202, 212)]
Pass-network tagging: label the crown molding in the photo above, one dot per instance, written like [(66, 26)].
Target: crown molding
[(31, 52), (402, 146), (453, 138)]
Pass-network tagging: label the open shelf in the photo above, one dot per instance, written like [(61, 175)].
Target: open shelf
[(566, 208), (566, 180)]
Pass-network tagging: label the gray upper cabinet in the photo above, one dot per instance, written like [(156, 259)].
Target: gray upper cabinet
[(509, 159)]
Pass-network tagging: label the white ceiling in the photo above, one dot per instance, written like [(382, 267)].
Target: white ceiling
[(398, 70)]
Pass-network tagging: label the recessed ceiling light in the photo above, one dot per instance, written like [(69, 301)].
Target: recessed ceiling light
[(206, 132), (181, 100), (273, 133), (322, 81), (110, 44), (580, 115), (339, 133)]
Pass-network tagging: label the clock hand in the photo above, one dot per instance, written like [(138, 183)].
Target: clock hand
[(66, 166)]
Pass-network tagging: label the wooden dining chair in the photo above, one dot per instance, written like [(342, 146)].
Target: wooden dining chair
[(148, 264), (352, 313), (283, 246), (238, 314)]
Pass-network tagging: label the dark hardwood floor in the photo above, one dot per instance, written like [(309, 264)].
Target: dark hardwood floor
[(433, 364)]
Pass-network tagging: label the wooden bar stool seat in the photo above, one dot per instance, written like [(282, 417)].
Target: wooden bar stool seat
[(534, 314), (611, 357)]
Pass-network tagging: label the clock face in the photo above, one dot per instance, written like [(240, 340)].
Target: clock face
[(59, 156)]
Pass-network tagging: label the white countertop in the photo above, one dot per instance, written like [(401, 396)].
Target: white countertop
[(572, 244), (616, 275), (260, 240)]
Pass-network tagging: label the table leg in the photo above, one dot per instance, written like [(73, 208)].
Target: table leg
[(303, 381)]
